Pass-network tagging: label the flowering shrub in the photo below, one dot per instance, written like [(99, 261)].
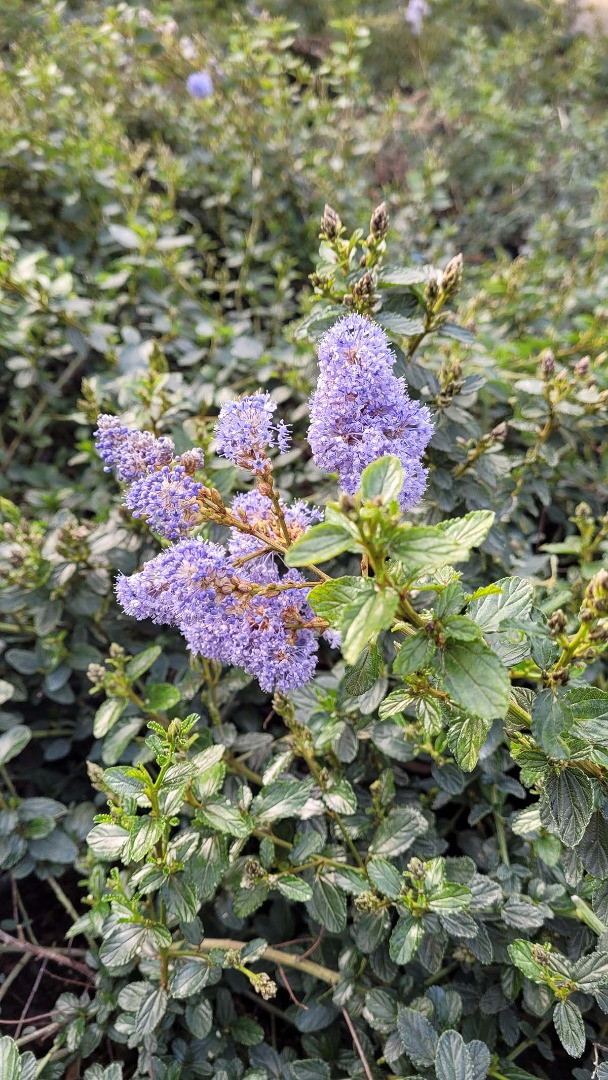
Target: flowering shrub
[(344, 806)]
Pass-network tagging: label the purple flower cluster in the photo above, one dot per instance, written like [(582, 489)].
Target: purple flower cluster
[(415, 14), (245, 431), (162, 489), (222, 614), (256, 510), (361, 411), (130, 453)]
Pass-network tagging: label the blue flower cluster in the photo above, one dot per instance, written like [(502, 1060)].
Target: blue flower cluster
[(245, 431), (236, 604), (361, 411), (130, 453), (162, 489), (200, 84), (227, 614)]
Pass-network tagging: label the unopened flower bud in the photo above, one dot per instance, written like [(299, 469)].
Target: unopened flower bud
[(599, 633), (583, 510), (547, 363), (583, 365), (364, 287), (452, 275), (540, 954), (432, 290), (499, 433), (95, 774), (96, 673), (367, 903), (416, 868), (378, 225), (557, 622), (192, 460), (116, 651), (330, 223)]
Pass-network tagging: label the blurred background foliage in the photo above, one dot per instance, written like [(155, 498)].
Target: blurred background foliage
[(155, 254)]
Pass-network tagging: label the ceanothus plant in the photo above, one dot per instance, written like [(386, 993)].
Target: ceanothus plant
[(468, 678)]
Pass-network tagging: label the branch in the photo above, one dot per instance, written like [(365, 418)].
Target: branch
[(48, 954), (276, 956)]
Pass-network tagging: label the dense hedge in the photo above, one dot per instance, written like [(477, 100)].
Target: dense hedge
[(422, 884)]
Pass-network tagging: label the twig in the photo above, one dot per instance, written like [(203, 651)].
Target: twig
[(315, 944), (358, 1047), (300, 1004), (40, 950), (31, 996), (42, 1033)]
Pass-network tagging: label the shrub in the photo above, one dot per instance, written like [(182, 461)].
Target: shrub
[(395, 866)]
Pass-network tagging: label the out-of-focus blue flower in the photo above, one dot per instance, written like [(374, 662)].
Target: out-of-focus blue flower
[(415, 14), (200, 84), (360, 411), (245, 431)]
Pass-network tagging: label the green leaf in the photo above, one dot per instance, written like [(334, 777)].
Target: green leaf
[(199, 1018), (222, 816), (414, 654), (382, 480), (318, 544), (422, 547), (551, 720), (13, 741), (450, 897), (107, 715), (593, 848), (418, 1037), (328, 905), (588, 702), (385, 877), (512, 602), (108, 841), (405, 939), (151, 1011), (192, 975), (466, 736), (372, 611), (10, 1059), (144, 834), (400, 324), (570, 797), (403, 275), (398, 831), (144, 660), (452, 1060), (340, 797), (570, 1027), (331, 599), (361, 677), (522, 954), (123, 944), (161, 696), (476, 680), (294, 888), (284, 798)]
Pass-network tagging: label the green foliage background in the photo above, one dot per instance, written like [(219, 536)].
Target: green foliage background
[(155, 258)]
